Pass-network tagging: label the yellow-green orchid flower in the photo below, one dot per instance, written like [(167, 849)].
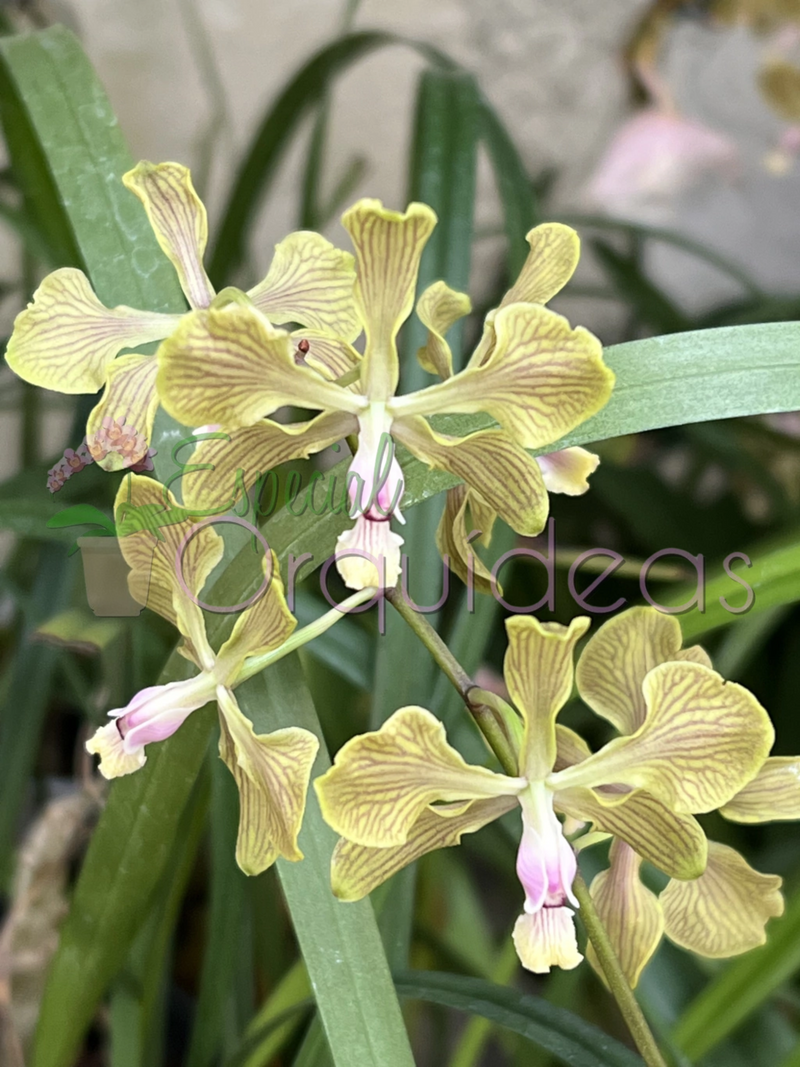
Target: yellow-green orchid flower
[(271, 770), (549, 265), (722, 912), (402, 791), (68, 341), (534, 374)]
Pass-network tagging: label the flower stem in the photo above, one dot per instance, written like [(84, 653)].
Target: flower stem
[(489, 722), (255, 664), (617, 982)]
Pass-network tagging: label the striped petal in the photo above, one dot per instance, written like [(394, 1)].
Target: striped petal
[(381, 782), (388, 248), (774, 793), (694, 654), (272, 773), (129, 400), (151, 527), (541, 380), (262, 626), (452, 534), (438, 309), (613, 666), (570, 747), (228, 366), (555, 251), (332, 357), (505, 476), (631, 914), (231, 467), (310, 282), (674, 843), (538, 671), (179, 221), (356, 870), (702, 740), (65, 339), (568, 470), (724, 911)]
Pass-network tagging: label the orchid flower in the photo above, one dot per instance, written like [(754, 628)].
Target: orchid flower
[(271, 770), (402, 791), (533, 374), (722, 912), (67, 340)]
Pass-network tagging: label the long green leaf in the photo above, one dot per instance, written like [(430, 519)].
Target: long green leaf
[(137, 1000), (774, 579), (734, 994), (33, 174), (520, 209), (340, 943), (250, 1054), (27, 698), (306, 88), (555, 1030), (227, 910), (67, 115)]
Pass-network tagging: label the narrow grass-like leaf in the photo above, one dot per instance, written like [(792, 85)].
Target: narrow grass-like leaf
[(257, 1049), (520, 208), (137, 1000), (265, 1035), (695, 249), (649, 303), (227, 908), (340, 943), (74, 139), (305, 89), (29, 687), (555, 1030), (774, 579)]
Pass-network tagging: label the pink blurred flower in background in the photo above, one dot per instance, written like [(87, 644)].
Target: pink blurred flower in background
[(656, 155)]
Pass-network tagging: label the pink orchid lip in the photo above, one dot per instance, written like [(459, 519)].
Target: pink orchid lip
[(546, 863), (375, 479), (155, 713)]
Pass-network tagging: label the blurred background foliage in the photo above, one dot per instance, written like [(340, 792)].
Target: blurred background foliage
[(212, 973)]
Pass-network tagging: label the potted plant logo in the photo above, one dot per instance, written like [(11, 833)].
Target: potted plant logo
[(105, 571)]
